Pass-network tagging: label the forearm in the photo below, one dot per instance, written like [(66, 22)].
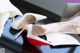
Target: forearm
[(72, 28), (63, 27)]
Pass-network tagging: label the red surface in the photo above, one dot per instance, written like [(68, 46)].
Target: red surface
[(27, 46), (29, 43), (36, 42)]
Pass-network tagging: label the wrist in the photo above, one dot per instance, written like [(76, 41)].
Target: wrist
[(53, 27)]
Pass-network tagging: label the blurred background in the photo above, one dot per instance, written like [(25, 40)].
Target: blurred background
[(53, 9)]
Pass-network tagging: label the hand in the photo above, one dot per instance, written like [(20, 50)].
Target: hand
[(38, 30)]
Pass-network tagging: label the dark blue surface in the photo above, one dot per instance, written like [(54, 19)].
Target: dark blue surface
[(11, 33)]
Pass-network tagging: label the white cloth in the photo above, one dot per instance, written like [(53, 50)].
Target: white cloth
[(7, 9)]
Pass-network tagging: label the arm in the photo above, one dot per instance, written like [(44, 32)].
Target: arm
[(72, 26), (62, 27), (59, 27)]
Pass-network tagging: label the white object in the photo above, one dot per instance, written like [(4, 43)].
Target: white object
[(52, 38), (7, 9), (7, 6), (38, 17), (3, 18), (75, 20)]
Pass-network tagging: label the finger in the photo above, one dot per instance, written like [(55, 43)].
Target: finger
[(42, 30), (38, 30), (34, 32)]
